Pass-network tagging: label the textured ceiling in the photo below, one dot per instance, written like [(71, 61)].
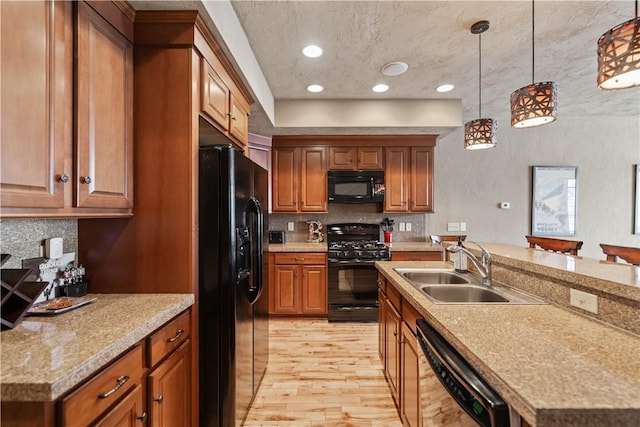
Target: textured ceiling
[(433, 37)]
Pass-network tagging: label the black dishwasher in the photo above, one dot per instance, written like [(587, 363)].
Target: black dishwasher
[(452, 392)]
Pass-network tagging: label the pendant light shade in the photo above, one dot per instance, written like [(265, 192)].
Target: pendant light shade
[(534, 105), (619, 56), (537, 103), (480, 133)]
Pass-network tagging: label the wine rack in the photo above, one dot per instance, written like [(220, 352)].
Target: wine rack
[(18, 294)]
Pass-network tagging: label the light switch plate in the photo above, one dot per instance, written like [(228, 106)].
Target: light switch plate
[(453, 226), (408, 227), (463, 226), (402, 226), (290, 226), (584, 300)]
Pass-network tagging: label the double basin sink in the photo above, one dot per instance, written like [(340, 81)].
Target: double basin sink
[(444, 286)]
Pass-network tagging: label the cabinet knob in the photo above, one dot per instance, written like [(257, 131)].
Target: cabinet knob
[(159, 399), (142, 418), (400, 342), (86, 180), (233, 118), (64, 178), (395, 334)]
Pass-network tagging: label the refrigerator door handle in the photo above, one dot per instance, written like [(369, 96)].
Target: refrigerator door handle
[(255, 291)]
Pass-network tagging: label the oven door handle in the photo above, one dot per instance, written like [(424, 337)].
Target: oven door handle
[(353, 261)]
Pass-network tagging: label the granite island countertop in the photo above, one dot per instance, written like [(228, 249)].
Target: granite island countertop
[(554, 367), (322, 247), (45, 356)]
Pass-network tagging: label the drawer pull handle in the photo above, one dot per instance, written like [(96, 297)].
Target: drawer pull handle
[(142, 417), (121, 381), (178, 335), (159, 399), (299, 258)]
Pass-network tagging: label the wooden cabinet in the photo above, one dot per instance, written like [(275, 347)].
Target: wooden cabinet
[(398, 348), (409, 179), (298, 283), (417, 256), (129, 412), (220, 105), (355, 158), (170, 391), (104, 113), (299, 179), (76, 156)]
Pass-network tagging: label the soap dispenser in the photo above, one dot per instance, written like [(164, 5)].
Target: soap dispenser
[(460, 260)]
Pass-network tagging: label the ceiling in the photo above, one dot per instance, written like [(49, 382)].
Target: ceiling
[(434, 38)]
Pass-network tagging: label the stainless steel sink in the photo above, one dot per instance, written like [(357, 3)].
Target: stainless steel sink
[(462, 294), (445, 286)]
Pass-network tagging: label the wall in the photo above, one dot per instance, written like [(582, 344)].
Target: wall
[(469, 185), (24, 238)]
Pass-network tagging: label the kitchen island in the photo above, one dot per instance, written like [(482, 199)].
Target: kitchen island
[(46, 357), (554, 365)]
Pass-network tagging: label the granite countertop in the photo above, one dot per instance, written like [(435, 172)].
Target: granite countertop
[(45, 356), (322, 247), (554, 367)]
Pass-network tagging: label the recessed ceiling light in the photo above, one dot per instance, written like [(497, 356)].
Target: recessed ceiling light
[(445, 88), (380, 88), (394, 68), (315, 88), (312, 51)]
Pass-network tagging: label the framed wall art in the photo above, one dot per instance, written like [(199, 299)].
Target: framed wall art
[(636, 228), (554, 201)]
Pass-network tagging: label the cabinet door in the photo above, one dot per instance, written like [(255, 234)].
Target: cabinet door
[(370, 158), (392, 366), (285, 179), (129, 412), (341, 158), (239, 121), (170, 390), (104, 113), (421, 179), (410, 379), (382, 316), (396, 179), (214, 95), (313, 180), (36, 117), (285, 289), (314, 290)]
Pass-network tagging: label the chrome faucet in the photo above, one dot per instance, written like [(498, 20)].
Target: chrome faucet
[(483, 265)]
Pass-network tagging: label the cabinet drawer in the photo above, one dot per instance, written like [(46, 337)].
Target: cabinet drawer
[(84, 405), (169, 337), (410, 315), (394, 296), (300, 258)]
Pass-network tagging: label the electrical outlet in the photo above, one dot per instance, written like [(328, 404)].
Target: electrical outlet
[(290, 226), (584, 300), (453, 226), (463, 226), (402, 226), (408, 226)]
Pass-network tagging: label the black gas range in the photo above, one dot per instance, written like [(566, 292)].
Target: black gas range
[(353, 288)]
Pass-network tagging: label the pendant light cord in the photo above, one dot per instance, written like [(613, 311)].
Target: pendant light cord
[(533, 45), (480, 75)]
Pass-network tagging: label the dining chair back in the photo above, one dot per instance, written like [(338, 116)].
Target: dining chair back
[(627, 253), (570, 247)]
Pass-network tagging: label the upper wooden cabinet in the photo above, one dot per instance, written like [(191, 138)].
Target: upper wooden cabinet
[(299, 179), (75, 158), (409, 179), (355, 158), (219, 105)]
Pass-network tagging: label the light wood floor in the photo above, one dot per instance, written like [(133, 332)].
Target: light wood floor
[(323, 374)]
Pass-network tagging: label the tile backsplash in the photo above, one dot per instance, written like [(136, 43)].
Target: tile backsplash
[(24, 238), (359, 213)]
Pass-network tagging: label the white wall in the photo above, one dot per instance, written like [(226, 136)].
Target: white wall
[(469, 185)]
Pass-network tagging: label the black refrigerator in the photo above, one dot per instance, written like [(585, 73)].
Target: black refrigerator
[(233, 301)]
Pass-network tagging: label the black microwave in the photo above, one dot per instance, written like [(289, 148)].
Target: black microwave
[(356, 186)]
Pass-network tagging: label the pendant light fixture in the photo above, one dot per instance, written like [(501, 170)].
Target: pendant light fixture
[(480, 133), (536, 104), (619, 56)]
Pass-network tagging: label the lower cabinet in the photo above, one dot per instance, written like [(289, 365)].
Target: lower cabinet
[(417, 256), (148, 385), (298, 283), (399, 352)]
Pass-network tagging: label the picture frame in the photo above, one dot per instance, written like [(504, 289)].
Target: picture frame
[(636, 228), (554, 201)]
